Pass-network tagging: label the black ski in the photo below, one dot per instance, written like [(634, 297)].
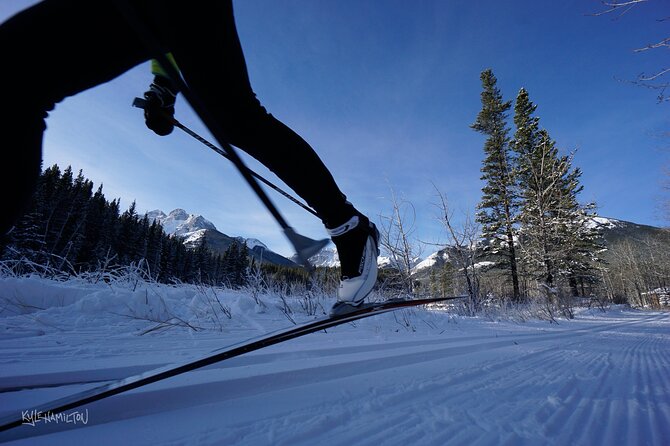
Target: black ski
[(142, 379)]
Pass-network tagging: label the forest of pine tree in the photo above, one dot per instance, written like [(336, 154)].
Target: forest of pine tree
[(70, 228)]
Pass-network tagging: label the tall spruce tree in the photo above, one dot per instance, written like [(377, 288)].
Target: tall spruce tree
[(497, 211), (557, 234), (540, 221), (524, 144)]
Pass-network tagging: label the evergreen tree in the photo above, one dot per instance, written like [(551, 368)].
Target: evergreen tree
[(73, 231), (242, 266), (69, 228), (27, 237), (59, 215), (497, 211), (104, 250), (524, 144), (540, 226), (201, 263), (94, 230), (154, 249), (582, 238), (127, 243), (235, 264), (441, 280), (556, 235)]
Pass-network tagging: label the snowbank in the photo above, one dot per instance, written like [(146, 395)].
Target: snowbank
[(423, 377)]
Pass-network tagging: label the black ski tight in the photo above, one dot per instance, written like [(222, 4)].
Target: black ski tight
[(59, 48)]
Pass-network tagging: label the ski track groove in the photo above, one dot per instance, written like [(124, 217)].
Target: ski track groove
[(255, 358), (659, 415), (576, 392), (85, 376), (460, 398), (575, 420)]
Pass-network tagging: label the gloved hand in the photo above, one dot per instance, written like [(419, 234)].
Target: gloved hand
[(159, 109)]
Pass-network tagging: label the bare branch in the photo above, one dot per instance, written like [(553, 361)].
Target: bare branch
[(663, 43), (653, 77), (623, 6), (464, 249), (647, 81), (397, 239)]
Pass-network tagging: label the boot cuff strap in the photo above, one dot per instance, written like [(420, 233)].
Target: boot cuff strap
[(346, 227)]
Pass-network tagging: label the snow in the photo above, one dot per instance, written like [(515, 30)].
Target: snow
[(181, 223), (429, 261), (252, 243), (412, 377), (193, 238), (329, 258), (484, 264), (603, 222)]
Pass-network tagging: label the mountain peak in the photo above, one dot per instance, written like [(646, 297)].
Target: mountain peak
[(604, 222), (252, 243), (156, 214), (178, 214), (179, 222), (195, 229)]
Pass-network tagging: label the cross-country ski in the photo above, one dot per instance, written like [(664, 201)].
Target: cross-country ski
[(132, 382)]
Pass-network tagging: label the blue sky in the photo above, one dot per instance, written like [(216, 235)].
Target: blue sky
[(385, 92)]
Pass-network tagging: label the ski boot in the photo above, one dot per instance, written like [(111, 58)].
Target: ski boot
[(357, 243)]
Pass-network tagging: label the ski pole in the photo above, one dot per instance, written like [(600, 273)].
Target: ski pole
[(305, 247), (142, 103)]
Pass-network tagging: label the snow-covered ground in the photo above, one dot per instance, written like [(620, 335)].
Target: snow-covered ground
[(413, 377)]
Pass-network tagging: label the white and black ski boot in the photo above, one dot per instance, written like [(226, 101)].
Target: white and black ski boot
[(357, 243)]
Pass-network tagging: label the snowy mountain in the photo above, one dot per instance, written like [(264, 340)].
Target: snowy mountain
[(179, 222), (253, 243), (604, 222), (613, 231), (328, 258), (194, 228), (434, 259)]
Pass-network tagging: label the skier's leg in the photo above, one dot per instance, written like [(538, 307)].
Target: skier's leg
[(52, 50), (210, 57)]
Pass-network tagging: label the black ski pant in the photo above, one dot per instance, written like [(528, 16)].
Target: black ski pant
[(59, 48)]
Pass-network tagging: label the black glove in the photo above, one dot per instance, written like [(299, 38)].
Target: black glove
[(159, 110)]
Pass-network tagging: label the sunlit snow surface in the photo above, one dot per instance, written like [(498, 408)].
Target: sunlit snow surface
[(420, 377)]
